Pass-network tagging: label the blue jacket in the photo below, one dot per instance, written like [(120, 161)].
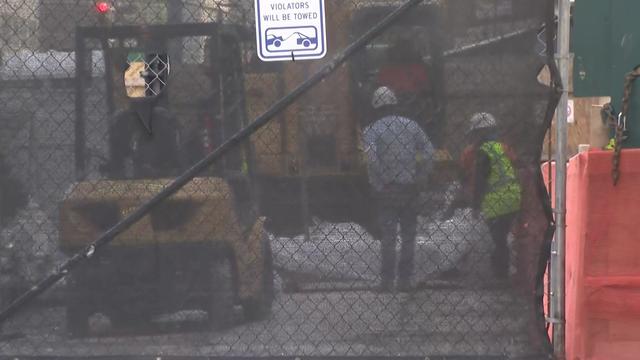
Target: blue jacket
[(398, 152)]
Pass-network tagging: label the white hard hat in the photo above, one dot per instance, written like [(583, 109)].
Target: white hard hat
[(482, 120), (383, 96)]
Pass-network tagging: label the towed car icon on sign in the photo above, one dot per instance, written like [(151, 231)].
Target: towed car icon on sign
[(291, 39), (307, 41), (273, 40)]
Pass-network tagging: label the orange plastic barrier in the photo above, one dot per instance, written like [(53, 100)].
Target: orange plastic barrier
[(603, 257)]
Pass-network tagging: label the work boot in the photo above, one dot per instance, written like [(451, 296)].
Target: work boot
[(404, 285), (451, 274), (385, 286)]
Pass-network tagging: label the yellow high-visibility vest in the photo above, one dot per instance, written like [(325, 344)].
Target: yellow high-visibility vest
[(503, 195)]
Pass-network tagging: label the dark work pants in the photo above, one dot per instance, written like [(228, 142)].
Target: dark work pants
[(500, 227), (397, 207)]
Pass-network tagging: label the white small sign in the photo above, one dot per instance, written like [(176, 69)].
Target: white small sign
[(570, 112), (288, 30)]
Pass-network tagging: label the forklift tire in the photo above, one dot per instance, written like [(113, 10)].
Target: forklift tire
[(77, 321), (222, 295), (260, 308)]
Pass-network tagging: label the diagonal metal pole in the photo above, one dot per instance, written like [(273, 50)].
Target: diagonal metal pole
[(201, 165)]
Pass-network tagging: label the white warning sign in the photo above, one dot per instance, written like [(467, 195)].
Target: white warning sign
[(290, 30)]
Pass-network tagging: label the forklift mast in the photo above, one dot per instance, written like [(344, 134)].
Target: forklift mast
[(200, 94)]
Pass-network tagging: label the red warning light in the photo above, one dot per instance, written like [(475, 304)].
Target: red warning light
[(103, 7)]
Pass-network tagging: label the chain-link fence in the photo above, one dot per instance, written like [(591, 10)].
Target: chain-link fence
[(384, 201)]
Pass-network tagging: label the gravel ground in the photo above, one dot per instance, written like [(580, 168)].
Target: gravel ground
[(345, 318), (426, 322)]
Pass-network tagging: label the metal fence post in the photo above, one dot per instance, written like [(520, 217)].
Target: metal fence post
[(558, 250)]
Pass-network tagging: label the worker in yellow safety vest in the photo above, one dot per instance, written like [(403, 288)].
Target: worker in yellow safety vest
[(491, 186)]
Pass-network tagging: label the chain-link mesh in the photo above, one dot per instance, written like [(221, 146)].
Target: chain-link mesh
[(396, 208), (146, 75)]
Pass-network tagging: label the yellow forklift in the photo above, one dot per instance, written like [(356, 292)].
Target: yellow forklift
[(202, 249)]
